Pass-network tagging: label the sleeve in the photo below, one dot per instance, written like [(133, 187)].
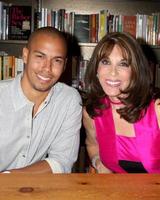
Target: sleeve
[(64, 149)]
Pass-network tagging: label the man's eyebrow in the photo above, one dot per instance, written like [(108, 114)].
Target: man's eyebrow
[(61, 57), (36, 51)]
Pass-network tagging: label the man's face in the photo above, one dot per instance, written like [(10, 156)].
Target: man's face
[(45, 61)]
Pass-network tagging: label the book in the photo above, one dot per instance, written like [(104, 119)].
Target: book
[(149, 28), (7, 67), (19, 22), (129, 24), (38, 14), (103, 23), (158, 33), (139, 28), (5, 20), (61, 19), (82, 27), (93, 28)]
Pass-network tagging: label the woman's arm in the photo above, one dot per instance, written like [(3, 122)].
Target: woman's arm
[(157, 109), (92, 145)]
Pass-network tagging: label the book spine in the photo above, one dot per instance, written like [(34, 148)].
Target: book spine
[(1, 17), (39, 13)]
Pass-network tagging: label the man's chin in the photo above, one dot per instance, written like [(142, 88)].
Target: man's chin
[(43, 89)]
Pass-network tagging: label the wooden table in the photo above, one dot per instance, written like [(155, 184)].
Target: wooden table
[(80, 186)]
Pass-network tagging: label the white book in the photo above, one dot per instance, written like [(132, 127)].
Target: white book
[(1, 9), (4, 25), (139, 27)]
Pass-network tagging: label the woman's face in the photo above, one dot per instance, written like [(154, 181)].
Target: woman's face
[(114, 73)]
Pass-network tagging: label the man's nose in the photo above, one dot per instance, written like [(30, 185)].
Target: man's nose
[(48, 65)]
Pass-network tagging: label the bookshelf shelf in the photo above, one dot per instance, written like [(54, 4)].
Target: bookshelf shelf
[(155, 46), (87, 44), (13, 41)]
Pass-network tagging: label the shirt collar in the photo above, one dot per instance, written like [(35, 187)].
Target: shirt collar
[(20, 100)]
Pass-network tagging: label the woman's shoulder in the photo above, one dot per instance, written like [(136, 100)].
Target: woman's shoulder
[(157, 103)]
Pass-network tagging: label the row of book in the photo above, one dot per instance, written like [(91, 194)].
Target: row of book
[(92, 27), (15, 21), (10, 66)]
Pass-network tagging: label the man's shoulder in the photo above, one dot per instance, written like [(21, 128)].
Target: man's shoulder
[(5, 83), (66, 89)]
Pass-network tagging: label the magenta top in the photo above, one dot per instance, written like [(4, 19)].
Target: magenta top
[(144, 147), (126, 148)]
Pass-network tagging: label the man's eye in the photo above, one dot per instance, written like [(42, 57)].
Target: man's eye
[(58, 61), (39, 56)]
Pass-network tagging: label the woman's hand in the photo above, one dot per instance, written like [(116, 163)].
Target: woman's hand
[(101, 169)]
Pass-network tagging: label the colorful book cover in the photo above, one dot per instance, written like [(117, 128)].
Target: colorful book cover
[(103, 23), (129, 24), (19, 22)]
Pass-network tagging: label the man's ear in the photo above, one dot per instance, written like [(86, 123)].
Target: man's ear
[(25, 53)]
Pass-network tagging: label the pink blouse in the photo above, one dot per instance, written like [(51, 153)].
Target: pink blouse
[(126, 148), (145, 148)]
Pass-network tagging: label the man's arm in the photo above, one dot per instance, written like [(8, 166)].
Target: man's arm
[(36, 168), (64, 149)]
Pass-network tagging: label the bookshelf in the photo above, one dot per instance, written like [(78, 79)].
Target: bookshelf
[(116, 7), (84, 7)]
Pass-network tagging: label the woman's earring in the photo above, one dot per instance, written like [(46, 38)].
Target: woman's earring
[(97, 75)]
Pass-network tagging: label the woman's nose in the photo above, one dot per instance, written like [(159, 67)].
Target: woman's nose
[(113, 71)]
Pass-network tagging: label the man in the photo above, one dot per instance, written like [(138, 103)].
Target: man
[(40, 117)]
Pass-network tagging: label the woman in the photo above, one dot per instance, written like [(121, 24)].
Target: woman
[(121, 111)]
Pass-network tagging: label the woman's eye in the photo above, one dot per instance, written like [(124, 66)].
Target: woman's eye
[(124, 64), (104, 61)]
